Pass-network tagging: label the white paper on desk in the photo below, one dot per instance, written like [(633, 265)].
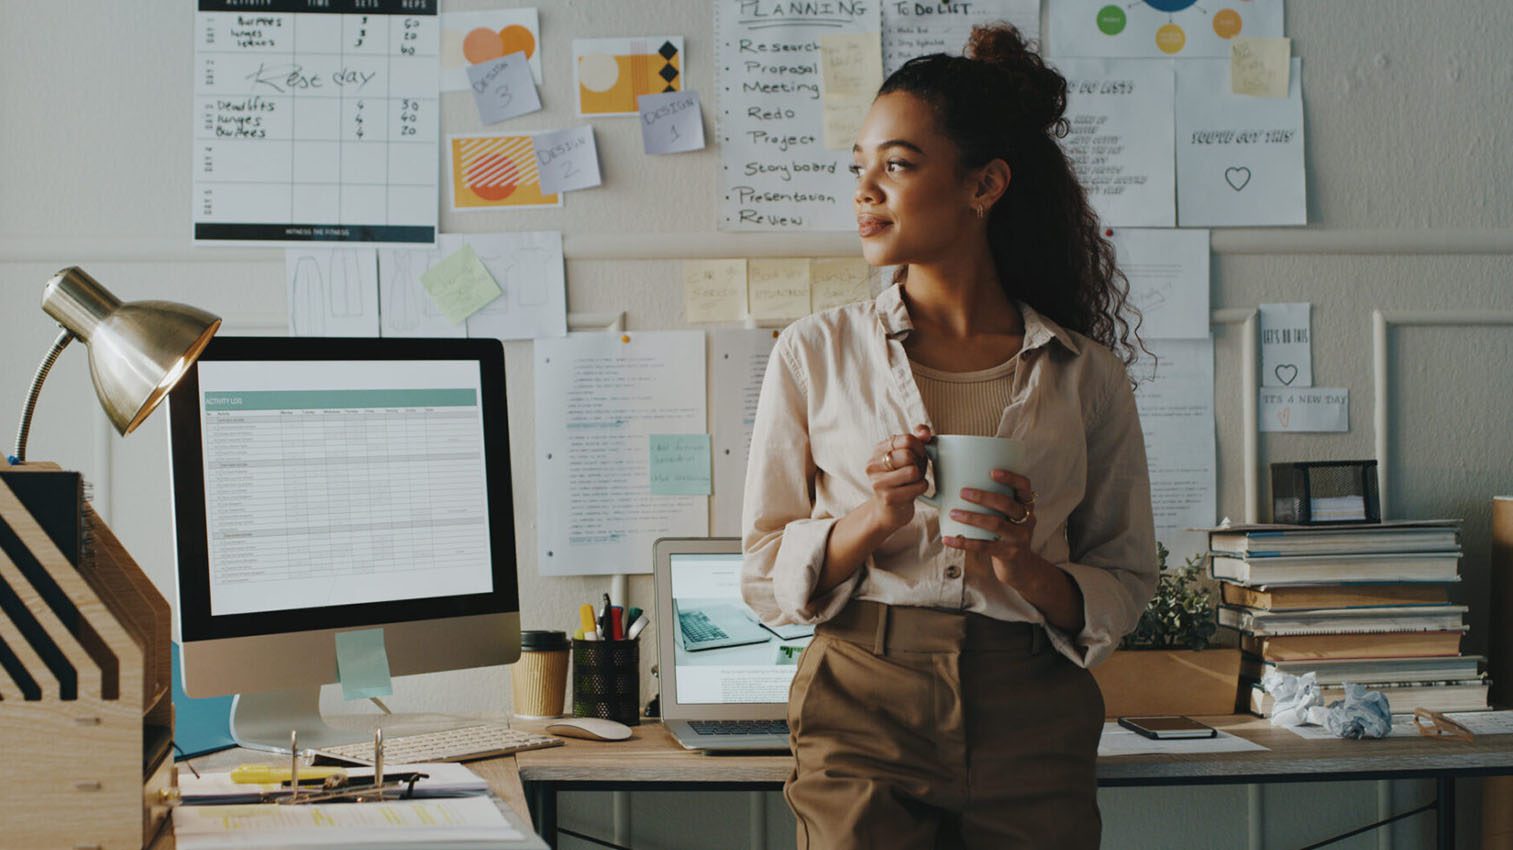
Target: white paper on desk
[(1143, 30), (598, 400), (1286, 345), (1168, 271), (1239, 158), (455, 821), (528, 268), (1121, 140), (568, 159), (1177, 416), (738, 364), (503, 88), (917, 27), (1119, 741), (332, 291), (1306, 409), (405, 307)]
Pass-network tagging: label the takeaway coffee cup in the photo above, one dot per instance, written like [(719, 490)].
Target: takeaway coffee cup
[(966, 461), (538, 681)]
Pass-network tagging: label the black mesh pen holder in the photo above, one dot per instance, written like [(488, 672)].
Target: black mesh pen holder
[(1326, 491), (607, 680)]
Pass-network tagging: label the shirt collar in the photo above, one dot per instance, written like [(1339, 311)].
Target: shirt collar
[(1038, 330)]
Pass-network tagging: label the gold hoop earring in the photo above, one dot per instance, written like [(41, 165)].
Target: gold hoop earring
[(977, 208)]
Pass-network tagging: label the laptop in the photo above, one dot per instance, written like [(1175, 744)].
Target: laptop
[(724, 674)]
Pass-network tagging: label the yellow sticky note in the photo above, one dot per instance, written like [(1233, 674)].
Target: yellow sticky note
[(460, 285), (843, 117), (779, 288), (714, 290), (1259, 67), (838, 280), (851, 64)]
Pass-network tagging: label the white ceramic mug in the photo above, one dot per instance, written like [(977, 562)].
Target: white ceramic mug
[(965, 461)]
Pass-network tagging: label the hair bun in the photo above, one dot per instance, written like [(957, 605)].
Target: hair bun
[(1039, 90)]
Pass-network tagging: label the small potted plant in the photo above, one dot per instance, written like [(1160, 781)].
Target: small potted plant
[(1168, 664)]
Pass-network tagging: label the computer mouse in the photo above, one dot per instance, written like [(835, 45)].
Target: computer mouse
[(591, 728)]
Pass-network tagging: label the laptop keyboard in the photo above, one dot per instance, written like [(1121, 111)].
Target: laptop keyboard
[(697, 627), (739, 727)]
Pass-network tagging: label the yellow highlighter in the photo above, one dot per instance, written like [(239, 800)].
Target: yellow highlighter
[(586, 615), (267, 774)]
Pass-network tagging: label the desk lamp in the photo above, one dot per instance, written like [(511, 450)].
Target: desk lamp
[(137, 351)]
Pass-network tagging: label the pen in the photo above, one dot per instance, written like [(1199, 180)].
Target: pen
[(637, 627), (267, 774), (617, 622), (604, 622), (632, 614)]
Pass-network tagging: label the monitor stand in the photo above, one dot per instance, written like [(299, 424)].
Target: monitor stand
[(263, 721)]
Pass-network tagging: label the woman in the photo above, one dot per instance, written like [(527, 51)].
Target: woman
[(945, 699)]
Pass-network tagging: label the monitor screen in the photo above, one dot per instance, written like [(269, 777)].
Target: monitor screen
[(723, 654)]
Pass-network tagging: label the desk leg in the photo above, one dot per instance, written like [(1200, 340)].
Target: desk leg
[(541, 798), (1444, 815)]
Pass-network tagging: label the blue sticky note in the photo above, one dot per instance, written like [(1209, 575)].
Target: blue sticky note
[(680, 465), (200, 725), (362, 664)]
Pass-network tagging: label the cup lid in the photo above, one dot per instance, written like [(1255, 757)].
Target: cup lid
[(543, 640)]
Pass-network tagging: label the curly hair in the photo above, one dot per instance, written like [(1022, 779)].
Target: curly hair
[(1001, 101)]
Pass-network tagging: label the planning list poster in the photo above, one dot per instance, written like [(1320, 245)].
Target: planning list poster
[(315, 121)]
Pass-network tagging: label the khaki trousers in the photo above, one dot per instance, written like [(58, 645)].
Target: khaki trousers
[(916, 727)]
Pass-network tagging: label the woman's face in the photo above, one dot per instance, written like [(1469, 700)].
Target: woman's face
[(913, 201)]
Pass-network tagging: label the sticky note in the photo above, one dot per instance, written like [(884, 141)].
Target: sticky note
[(567, 159), (503, 88), (679, 465), (1259, 67), (851, 64), (714, 290), (460, 285), (778, 288), (362, 664), (671, 122), (834, 281)]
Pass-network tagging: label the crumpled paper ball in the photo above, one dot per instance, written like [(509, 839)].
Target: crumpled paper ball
[(1361, 714), (1292, 697)]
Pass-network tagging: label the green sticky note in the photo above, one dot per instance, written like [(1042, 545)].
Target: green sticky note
[(680, 465), (362, 664), (460, 285)]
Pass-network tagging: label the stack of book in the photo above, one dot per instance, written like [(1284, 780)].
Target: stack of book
[(1368, 604)]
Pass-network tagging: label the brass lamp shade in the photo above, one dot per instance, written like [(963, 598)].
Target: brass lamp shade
[(137, 351)]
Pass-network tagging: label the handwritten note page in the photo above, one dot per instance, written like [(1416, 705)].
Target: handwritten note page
[(1121, 138), (1239, 159), (1168, 273), (332, 291), (1310, 409), (776, 173), (1176, 404), (460, 285), (405, 308), (917, 27), (598, 401), (1286, 345), (1259, 66), (738, 361), (671, 122), (777, 288), (528, 268), (503, 89), (315, 126), (1156, 30), (679, 464), (834, 281), (851, 71), (714, 290), (568, 159)]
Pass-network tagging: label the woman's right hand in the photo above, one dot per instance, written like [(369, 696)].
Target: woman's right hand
[(897, 472)]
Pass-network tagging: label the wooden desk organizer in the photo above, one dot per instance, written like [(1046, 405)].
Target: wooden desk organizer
[(86, 709)]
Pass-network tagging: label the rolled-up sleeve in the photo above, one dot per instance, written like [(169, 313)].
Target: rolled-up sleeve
[(783, 539), (1111, 533)]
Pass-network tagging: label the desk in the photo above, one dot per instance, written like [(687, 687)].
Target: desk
[(652, 761)]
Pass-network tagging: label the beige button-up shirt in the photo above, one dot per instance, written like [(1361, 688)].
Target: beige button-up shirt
[(839, 382)]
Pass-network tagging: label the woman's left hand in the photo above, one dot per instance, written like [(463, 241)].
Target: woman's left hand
[(1011, 552)]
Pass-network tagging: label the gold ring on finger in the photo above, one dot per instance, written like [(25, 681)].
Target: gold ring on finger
[(888, 460), (1020, 521), (1029, 501)]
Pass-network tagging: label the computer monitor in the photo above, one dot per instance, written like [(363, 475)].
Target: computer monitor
[(328, 485)]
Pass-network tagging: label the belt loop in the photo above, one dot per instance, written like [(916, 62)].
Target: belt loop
[(880, 640)]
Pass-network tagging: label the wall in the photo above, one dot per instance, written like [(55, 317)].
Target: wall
[(1409, 113)]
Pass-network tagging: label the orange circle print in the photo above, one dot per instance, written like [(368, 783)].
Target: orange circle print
[(481, 45), (493, 177), (517, 39), (1227, 23)]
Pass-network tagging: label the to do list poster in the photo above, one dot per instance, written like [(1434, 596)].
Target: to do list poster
[(315, 121)]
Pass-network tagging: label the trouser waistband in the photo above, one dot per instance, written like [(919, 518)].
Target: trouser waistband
[(901, 628)]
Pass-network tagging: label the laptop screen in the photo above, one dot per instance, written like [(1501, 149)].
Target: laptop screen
[(722, 653)]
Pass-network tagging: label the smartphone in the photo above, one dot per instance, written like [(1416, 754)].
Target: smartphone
[(1167, 726)]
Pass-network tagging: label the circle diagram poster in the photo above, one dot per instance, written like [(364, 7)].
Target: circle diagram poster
[(1161, 29)]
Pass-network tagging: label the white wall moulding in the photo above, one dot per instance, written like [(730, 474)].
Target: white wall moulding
[(1248, 320), (1381, 322)]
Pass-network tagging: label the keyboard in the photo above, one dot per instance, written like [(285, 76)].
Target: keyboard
[(739, 727), (469, 742), (697, 628)]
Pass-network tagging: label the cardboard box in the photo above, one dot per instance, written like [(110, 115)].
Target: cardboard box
[(1169, 681)]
